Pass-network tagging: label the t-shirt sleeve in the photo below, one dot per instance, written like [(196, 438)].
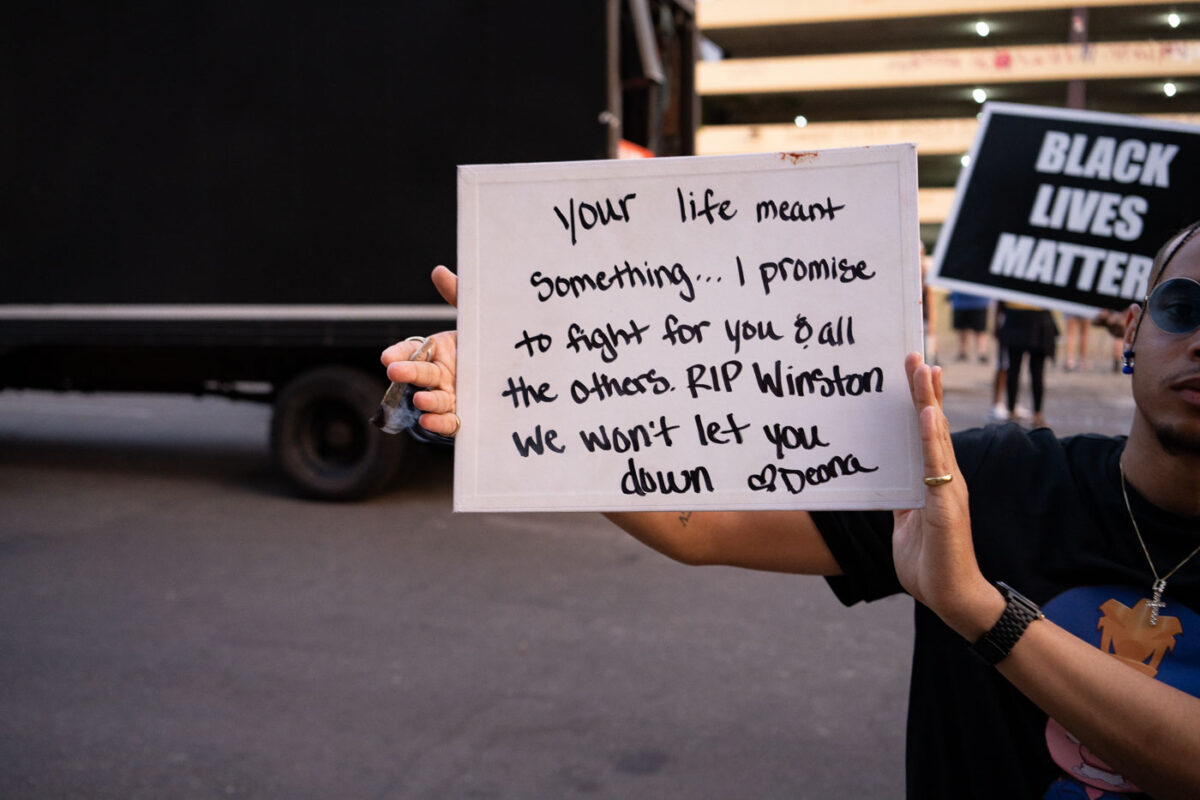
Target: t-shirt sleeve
[(861, 541)]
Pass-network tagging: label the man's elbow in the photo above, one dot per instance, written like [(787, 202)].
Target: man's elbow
[(689, 556)]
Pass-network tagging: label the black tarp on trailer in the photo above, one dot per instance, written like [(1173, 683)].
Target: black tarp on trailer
[(198, 195)]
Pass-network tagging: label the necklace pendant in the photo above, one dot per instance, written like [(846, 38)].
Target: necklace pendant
[(1155, 604)]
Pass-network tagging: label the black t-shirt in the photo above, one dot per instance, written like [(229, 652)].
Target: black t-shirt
[(1048, 518)]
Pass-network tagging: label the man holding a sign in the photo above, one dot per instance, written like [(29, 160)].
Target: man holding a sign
[(1091, 528), (726, 335), (1084, 525)]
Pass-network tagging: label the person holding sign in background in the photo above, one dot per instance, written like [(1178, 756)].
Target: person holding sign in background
[(1028, 334), (1057, 580)]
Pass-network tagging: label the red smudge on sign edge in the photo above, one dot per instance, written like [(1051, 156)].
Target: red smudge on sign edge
[(796, 158)]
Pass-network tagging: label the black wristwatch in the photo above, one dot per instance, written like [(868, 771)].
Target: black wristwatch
[(1019, 611)]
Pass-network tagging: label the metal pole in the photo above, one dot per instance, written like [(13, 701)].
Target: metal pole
[(1077, 33), (611, 116)]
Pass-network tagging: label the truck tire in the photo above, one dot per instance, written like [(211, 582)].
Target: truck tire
[(322, 439)]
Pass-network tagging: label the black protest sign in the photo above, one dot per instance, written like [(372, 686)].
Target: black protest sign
[(1066, 209)]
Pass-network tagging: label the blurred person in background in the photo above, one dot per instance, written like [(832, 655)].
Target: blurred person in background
[(1076, 342), (1028, 335), (969, 318)]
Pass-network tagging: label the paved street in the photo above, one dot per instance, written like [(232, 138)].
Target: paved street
[(173, 623)]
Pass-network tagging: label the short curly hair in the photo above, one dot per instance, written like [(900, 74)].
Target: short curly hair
[(1167, 252), (1162, 260)]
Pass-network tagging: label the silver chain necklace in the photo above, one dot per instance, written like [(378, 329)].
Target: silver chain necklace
[(1155, 603)]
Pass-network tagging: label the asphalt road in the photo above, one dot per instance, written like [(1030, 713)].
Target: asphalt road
[(174, 623)]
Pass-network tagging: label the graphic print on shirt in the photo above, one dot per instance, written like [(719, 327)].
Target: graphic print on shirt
[(1116, 619)]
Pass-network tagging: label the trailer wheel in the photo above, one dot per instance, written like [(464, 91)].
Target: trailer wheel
[(322, 438)]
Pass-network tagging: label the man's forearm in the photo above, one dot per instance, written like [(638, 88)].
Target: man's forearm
[(665, 531), (1143, 728), (777, 541)]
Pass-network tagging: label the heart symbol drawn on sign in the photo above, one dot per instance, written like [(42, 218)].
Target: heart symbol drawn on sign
[(763, 480)]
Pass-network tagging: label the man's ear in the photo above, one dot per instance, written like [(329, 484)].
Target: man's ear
[(1133, 316)]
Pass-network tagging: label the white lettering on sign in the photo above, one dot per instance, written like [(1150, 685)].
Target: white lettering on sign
[(1129, 161), (1109, 272), (1088, 211)]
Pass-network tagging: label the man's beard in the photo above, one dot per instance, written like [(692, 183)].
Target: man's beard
[(1176, 441)]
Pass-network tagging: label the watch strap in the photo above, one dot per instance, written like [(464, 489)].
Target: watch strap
[(1019, 611)]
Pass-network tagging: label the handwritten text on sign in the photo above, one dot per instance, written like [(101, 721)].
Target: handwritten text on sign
[(689, 333)]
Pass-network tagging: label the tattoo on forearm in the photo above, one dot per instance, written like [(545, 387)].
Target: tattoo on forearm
[(684, 517)]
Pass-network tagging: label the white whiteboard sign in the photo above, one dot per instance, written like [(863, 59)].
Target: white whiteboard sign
[(689, 333)]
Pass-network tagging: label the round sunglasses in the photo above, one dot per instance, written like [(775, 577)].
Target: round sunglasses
[(1175, 305)]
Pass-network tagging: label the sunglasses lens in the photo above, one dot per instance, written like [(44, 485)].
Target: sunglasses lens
[(1175, 306)]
